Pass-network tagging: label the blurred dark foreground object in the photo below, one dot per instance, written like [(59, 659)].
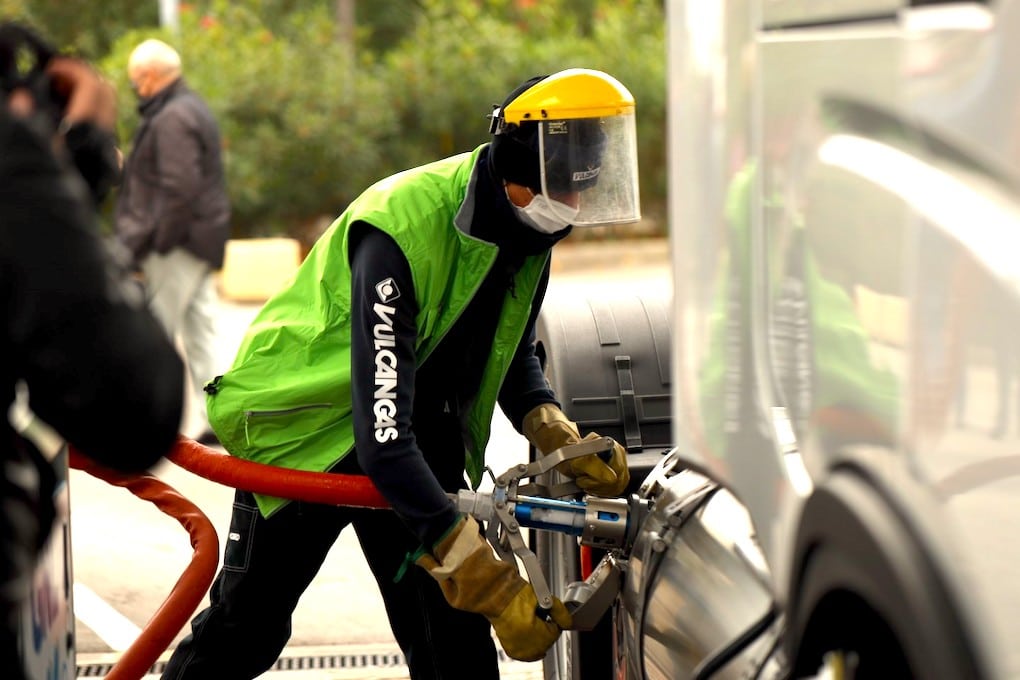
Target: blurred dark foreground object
[(71, 104), (79, 344)]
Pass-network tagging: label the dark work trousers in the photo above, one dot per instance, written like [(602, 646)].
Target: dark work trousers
[(267, 565)]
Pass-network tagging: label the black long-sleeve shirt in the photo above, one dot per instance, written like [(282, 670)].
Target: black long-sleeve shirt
[(415, 470)]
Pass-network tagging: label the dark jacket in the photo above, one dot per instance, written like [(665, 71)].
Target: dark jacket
[(98, 367), (173, 193)]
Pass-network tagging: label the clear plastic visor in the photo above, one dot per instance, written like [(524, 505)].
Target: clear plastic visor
[(590, 165)]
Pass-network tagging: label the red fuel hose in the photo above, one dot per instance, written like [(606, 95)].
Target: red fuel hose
[(314, 487), (190, 588)]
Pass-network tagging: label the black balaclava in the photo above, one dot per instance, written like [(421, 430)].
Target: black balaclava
[(501, 226), (514, 154)]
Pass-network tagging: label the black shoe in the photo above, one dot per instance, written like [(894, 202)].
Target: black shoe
[(208, 438)]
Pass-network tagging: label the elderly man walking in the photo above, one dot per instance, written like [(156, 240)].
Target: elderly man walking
[(173, 212)]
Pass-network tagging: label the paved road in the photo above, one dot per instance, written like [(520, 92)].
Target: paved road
[(127, 555)]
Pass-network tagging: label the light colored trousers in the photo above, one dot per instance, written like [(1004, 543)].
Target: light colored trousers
[(182, 296)]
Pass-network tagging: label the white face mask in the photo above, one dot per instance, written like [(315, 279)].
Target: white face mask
[(546, 215)]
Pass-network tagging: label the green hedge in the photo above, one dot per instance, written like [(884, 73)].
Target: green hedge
[(308, 123)]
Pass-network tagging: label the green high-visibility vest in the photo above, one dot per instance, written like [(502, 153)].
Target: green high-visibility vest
[(286, 400)]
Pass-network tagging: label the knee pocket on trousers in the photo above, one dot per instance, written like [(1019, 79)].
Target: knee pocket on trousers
[(237, 553)]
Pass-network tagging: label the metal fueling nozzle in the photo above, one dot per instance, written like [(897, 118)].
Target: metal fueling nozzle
[(608, 523)]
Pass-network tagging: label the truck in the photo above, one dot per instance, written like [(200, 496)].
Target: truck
[(821, 406)]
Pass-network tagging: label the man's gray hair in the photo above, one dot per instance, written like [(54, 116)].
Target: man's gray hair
[(157, 55)]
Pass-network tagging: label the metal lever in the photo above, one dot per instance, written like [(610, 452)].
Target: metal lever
[(504, 534), (599, 447), (589, 599)]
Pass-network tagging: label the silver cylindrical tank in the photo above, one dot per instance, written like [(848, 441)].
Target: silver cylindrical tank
[(696, 599)]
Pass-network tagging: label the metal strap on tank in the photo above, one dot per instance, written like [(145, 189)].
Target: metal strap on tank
[(628, 403), (609, 334)]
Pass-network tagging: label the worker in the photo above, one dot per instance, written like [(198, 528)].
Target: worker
[(411, 317)]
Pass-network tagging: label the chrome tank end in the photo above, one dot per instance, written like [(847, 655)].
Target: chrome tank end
[(696, 601)]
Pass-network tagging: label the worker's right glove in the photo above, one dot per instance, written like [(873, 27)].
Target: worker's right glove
[(473, 580), (548, 429)]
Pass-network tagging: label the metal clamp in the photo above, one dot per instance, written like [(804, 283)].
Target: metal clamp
[(502, 530)]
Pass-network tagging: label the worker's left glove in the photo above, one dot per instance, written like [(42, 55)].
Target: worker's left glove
[(548, 429), (473, 580)]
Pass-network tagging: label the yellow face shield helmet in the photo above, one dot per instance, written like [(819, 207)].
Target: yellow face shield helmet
[(586, 143)]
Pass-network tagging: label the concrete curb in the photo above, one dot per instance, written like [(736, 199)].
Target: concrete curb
[(617, 254), (257, 268)]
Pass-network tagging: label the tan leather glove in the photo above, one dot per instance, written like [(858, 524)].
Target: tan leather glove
[(548, 428), (473, 580)]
